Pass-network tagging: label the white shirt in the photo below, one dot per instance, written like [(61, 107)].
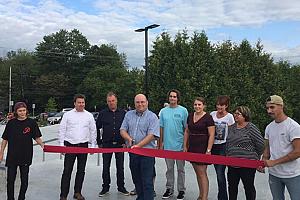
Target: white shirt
[(280, 136), (222, 124), (77, 127)]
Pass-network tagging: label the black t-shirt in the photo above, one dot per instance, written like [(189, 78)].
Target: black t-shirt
[(19, 134)]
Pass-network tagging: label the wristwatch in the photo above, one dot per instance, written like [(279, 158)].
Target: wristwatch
[(208, 150)]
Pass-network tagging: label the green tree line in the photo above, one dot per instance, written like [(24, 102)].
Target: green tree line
[(65, 63), (247, 74)]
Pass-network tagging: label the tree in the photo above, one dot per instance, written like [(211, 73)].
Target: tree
[(108, 78), (24, 72), (244, 72), (62, 53), (54, 85), (51, 105)]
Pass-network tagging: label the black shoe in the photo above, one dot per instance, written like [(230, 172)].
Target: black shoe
[(167, 194), (103, 192), (124, 191), (133, 192), (180, 195)]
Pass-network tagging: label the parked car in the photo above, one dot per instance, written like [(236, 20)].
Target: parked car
[(56, 118), (51, 114), (45, 115), (36, 118)]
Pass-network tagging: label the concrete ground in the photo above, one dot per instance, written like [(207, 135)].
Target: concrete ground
[(44, 178)]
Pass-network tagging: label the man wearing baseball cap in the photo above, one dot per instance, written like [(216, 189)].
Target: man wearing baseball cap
[(282, 152)]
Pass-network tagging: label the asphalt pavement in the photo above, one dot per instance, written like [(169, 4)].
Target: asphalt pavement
[(46, 170)]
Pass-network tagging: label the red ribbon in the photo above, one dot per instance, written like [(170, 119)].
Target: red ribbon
[(194, 157)]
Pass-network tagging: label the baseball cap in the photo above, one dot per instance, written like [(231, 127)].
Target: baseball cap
[(275, 99)]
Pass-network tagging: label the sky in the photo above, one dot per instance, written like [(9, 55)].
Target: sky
[(23, 23)]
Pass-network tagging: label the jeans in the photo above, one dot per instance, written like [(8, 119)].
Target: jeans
[(141, 168), (247, 175), (277, 186), (68, 168), (219, 149), (119, 157), (11, 177)]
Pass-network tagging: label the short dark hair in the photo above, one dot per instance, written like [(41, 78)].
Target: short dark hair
[(223, 100), (245, 111), (78, 96), (109, 94), (177, 94)]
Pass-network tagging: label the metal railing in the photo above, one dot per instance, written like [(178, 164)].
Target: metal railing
[(60, 155)]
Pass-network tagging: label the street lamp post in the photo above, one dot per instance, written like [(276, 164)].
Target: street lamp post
[(10, 103), (145, 29)]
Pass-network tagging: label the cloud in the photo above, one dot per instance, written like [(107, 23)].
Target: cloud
[(279, 52), (23, 23)]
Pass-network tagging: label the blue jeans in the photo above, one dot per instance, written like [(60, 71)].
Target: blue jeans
[(142, 168), (277, 186), (219, 149)]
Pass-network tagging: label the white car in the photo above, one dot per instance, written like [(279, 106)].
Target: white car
[(56, 118)]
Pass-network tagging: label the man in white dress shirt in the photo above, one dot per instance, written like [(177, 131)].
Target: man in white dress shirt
[(77, 129)]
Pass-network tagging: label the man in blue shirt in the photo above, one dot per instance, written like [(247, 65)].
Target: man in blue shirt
[(140, 127), (173, 120)]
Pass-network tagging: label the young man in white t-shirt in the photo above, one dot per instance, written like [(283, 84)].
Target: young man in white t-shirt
[(282, 152)]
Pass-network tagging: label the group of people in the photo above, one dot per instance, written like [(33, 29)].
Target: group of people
[(217, 133)]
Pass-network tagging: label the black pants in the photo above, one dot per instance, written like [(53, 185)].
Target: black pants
[(11, 177), (247, 175), (119, 166), (68, 168)]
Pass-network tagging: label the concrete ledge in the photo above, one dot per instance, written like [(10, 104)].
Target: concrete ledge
[(3, 177)]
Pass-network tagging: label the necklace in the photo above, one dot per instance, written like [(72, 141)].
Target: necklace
[(197, 117)]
